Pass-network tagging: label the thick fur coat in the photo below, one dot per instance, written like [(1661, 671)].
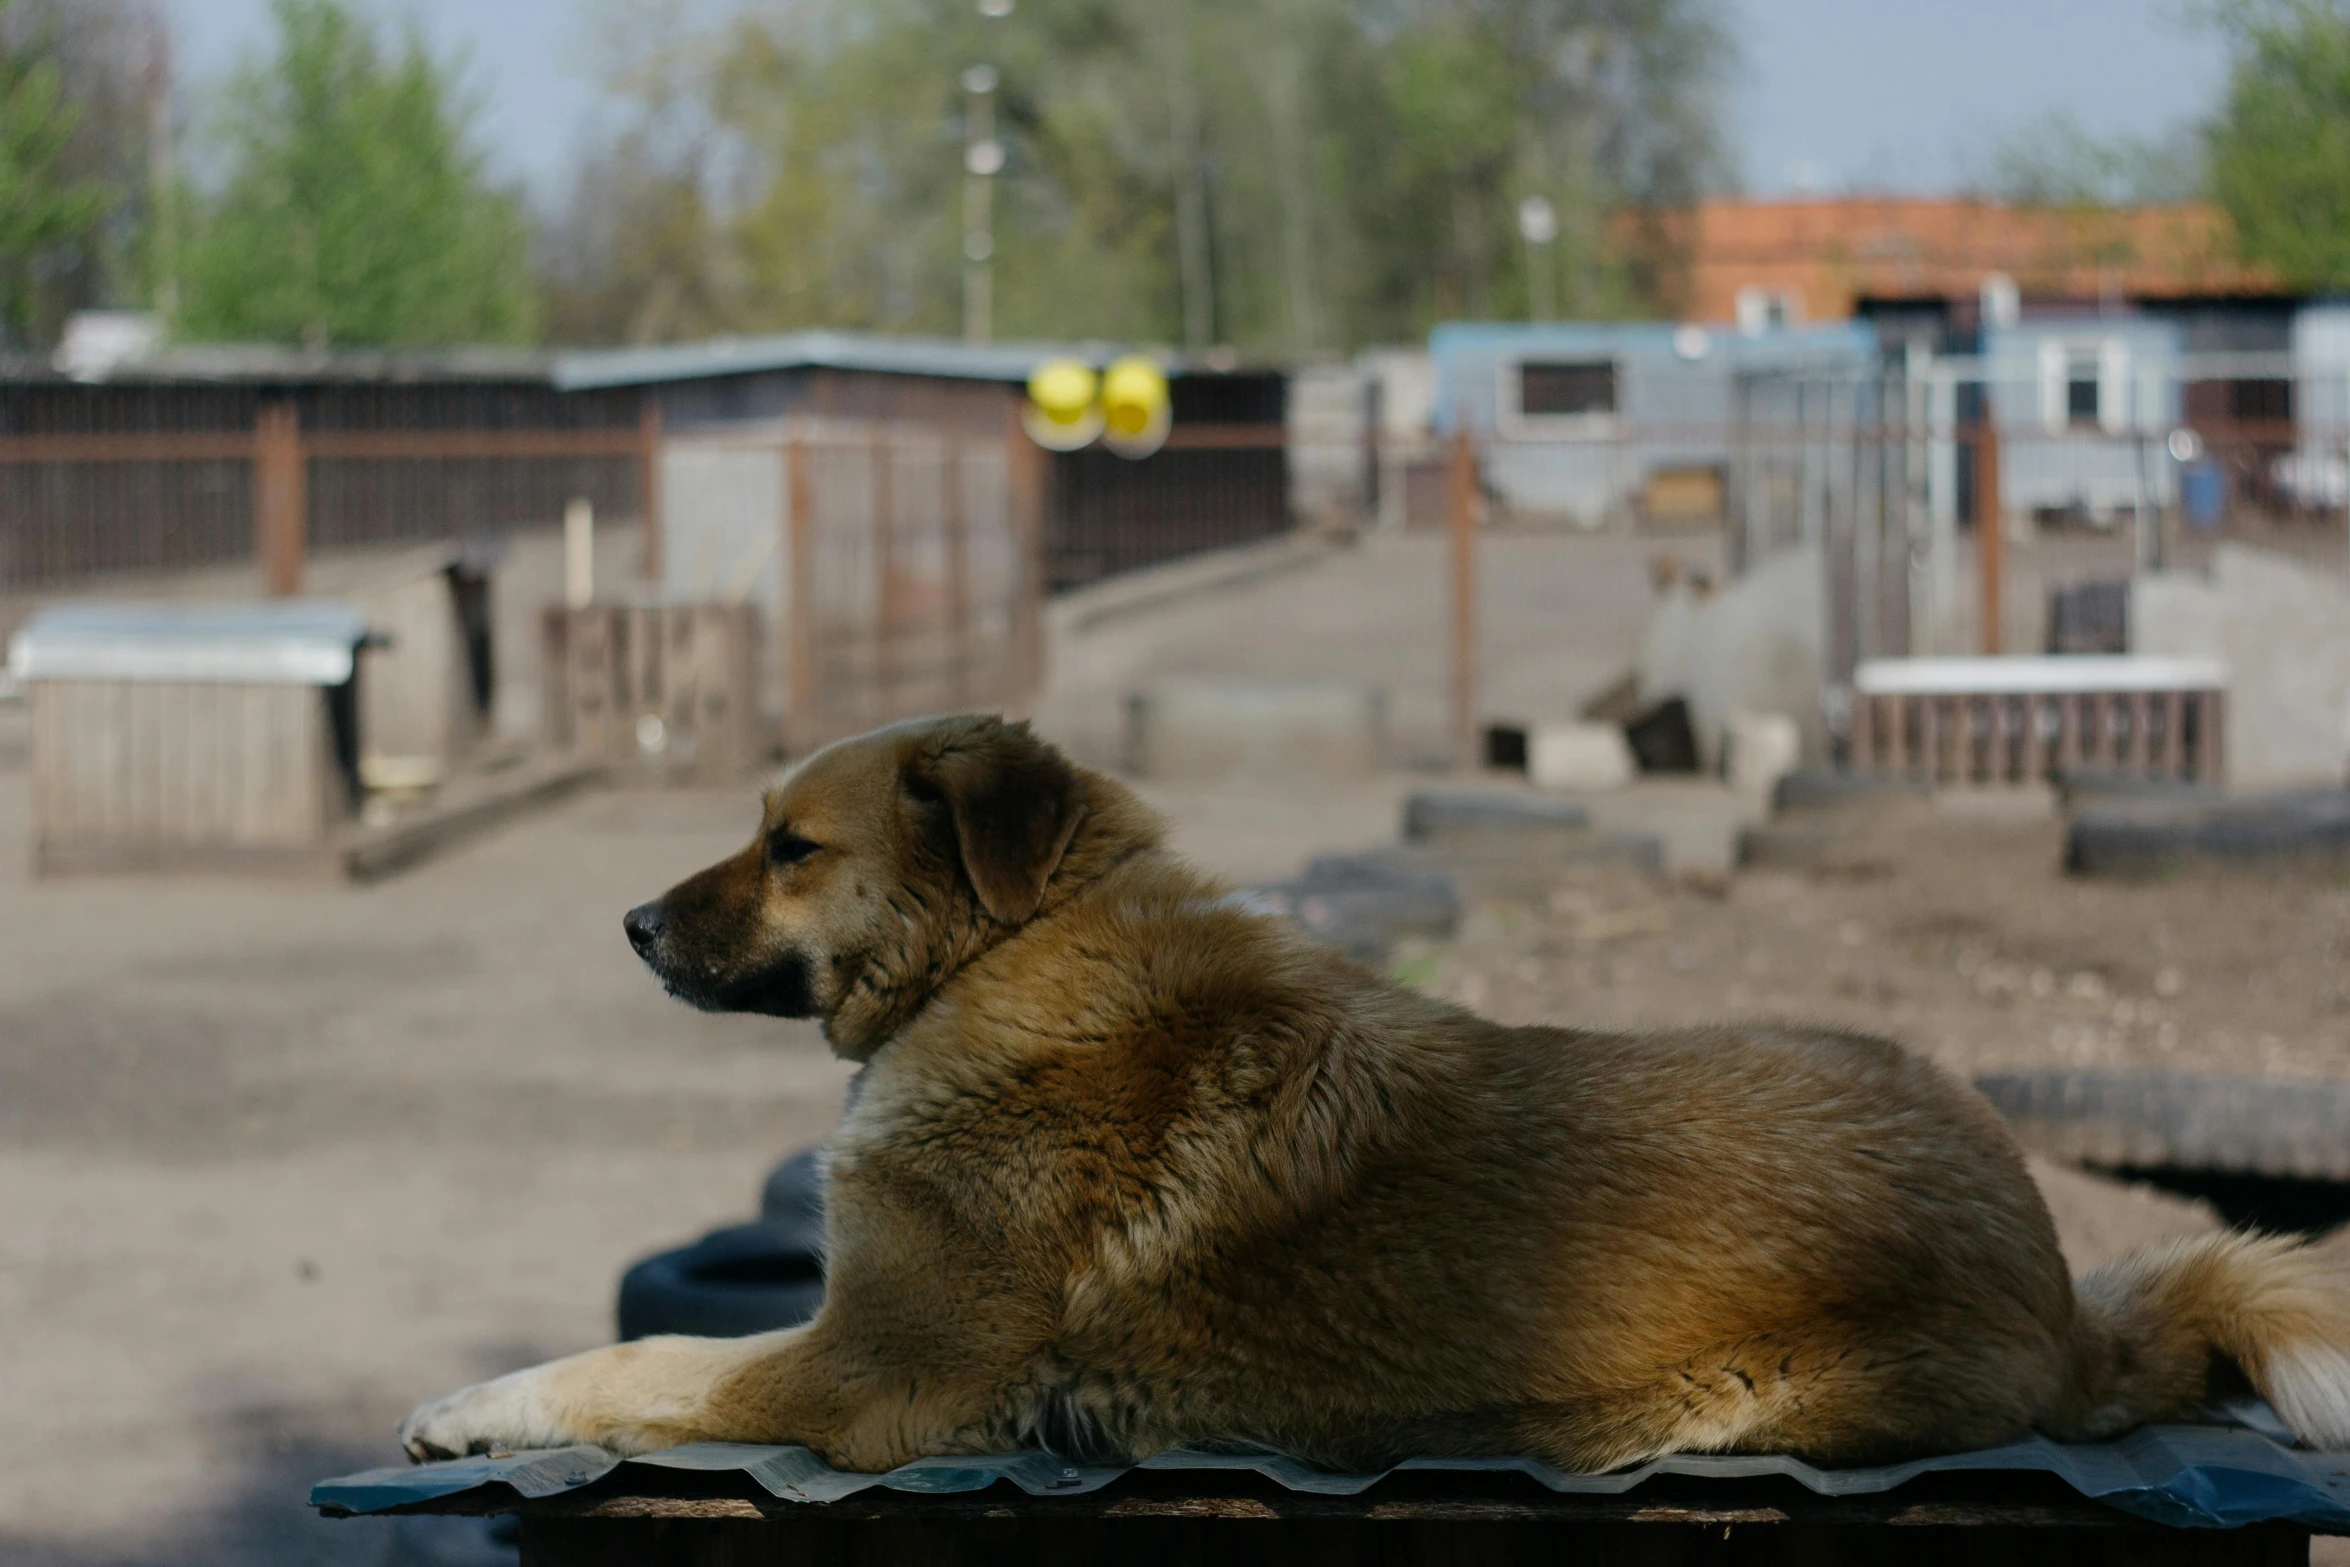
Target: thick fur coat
[(1129, 1167)]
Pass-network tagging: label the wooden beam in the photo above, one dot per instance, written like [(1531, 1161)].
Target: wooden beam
[(158, 446), (1990, 538), (648, 455), (384, 445), (1461, 513), (281, 507)]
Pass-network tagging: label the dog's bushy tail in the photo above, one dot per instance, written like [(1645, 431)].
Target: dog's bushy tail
[(2151, 1330)]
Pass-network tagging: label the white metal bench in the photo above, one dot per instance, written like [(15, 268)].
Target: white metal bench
[(1997, 721)]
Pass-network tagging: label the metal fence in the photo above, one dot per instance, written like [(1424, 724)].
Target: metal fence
[(97, 480), (1210, 487), (1951, 498), (898, 563)]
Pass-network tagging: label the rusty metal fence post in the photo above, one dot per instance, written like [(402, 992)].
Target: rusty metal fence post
[(1990, 538), (889, 613), (1461, 519), (649, 485), (281, 520), (955, 500), (800, 603), (1028, 492)]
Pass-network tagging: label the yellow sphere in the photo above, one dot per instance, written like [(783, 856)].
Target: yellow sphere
[(1062, 390), (1134, 396)]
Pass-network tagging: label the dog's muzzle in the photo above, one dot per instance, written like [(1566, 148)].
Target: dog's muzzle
[(644, 925), (782, 987)]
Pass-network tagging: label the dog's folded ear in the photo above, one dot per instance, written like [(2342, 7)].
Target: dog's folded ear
[(1014, 802)]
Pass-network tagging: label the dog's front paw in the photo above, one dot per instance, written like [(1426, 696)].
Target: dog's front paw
[(488, 1417)]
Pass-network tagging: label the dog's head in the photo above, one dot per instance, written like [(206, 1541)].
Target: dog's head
[(882, 865)]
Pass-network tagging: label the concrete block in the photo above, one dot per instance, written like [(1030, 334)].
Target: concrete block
[(2283, 630), (1578, 757), (1755, 647), (1762, 748), (1206, 728), (1815, 789)]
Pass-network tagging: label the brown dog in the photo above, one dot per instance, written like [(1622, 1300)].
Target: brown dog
[(1128, 1167)]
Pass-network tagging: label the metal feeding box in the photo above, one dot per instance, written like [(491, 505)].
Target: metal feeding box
[(171, 735)]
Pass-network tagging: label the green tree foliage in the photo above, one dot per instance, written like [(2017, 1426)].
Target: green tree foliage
[(2280, 149), (1286, 176), (2057, 162), (46, 208), (351, 207)]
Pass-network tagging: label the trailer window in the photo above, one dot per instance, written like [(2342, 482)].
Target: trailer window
[(1555, 388), (2080, 390)]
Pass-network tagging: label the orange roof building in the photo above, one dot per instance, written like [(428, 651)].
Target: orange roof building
[(1816, 260)]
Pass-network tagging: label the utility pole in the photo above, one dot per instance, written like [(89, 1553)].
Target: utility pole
[(1538, 225), (1193, 250), (162, 186), (983, 159)]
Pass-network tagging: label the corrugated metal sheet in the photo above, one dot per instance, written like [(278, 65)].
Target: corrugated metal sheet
[(266, 365), (2191, 1476), (304, 642), (819, 350)]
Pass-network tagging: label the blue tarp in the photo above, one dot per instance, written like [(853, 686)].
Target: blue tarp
[(2208, 1477)]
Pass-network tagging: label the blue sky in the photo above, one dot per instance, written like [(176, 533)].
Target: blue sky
[(1890, 95)]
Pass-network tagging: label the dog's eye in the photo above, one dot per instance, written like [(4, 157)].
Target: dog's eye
[(785, 847)]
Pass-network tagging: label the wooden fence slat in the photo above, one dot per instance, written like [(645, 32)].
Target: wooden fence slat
[(801, 635), (887, 610), (955, 520)]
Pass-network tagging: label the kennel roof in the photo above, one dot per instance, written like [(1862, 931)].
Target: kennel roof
[(306, 642)]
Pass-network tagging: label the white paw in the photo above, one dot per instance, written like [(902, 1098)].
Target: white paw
[(488, 1417)]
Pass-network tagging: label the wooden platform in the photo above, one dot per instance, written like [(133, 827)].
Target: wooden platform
[(680, 1518)]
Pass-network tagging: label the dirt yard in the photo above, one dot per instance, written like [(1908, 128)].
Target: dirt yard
[(277, 1161), (1955, 934), (282, 1160)]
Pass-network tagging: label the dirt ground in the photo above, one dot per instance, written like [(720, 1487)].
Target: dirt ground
[(279, 1160), (1953, 932)]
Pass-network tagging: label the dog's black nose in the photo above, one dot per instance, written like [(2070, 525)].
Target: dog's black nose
[(643, 924)]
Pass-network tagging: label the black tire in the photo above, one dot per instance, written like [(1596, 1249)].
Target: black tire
[(1438, 813), (1363, 904), (2176, 1120), (747, 1278), (2153, 837), (794, 1192)]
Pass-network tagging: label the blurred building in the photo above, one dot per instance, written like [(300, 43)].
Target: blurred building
[(2083, 404), (1221, 478), (1924, 263), (1591, 423), (876, 500)]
